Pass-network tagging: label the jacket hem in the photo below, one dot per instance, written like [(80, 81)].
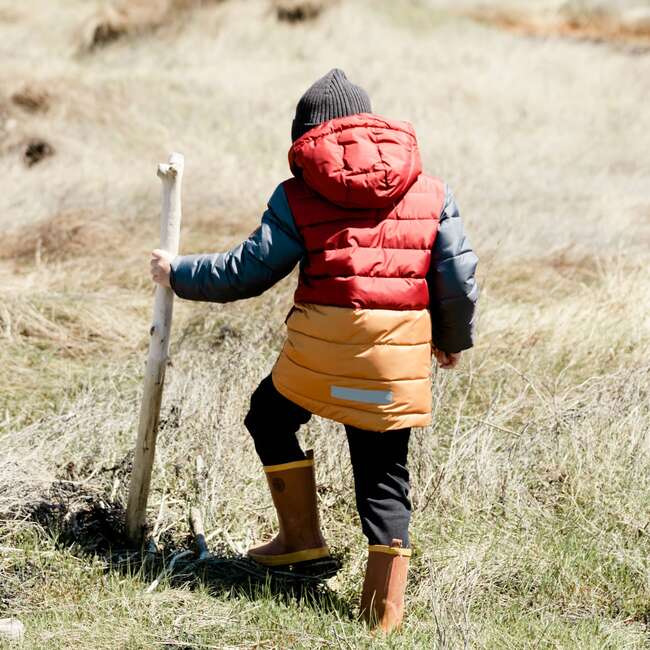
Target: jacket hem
[(361, 419)]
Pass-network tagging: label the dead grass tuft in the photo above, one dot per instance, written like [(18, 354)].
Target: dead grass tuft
[(32, 98), (131, 17), (574, 20), (66, 235), (298, 11), (546, 279), (121, 19), (62, 328)]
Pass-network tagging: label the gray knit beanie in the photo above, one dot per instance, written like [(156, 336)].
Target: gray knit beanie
[(330, 97)]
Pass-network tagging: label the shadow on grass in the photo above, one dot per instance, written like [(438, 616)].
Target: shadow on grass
[(88, 525), (224, 575)]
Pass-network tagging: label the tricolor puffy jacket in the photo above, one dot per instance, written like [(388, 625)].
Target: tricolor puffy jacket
[(385, 270)]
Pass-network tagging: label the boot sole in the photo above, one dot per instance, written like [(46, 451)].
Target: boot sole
[(291, 558)]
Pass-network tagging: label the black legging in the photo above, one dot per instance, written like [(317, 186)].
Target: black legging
[(381, 478)]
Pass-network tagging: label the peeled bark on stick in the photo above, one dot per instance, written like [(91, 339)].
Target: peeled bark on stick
[(171, 176)]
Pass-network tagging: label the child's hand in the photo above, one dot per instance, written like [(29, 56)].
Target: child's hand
[(446, 360), (161, 266)]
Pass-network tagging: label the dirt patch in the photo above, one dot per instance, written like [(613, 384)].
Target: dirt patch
[(132, 17), (32, 99), (298, 11), (35, 150), (630, 27)]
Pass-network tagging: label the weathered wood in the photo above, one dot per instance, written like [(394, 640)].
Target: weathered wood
[(171, 176), (196, 524)]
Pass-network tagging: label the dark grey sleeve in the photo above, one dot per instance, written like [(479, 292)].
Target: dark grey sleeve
[(453, 290), (267, 256)]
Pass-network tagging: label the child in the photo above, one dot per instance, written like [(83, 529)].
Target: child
[(386, 279)]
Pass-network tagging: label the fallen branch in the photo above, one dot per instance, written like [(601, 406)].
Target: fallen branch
[(171, 175)]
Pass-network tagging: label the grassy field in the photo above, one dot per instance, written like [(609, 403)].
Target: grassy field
[(531, 490)]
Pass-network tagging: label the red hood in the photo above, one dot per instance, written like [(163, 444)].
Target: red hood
[(358, 161)]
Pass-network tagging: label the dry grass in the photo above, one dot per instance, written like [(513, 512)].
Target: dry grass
[(597, 22), (530, 489), (121, 18), (64, 236)]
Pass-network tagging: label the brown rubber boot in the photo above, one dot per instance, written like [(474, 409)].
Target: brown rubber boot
[(293, 489), (382, 600)]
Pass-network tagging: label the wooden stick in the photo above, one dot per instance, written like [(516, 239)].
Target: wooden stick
[(171, 175), (196, 525)]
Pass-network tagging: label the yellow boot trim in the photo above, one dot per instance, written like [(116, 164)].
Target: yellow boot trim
[(307, 462), (291, 558), (295, 465), (389, 550)]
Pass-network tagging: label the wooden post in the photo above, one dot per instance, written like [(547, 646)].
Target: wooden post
[(171, 175)]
